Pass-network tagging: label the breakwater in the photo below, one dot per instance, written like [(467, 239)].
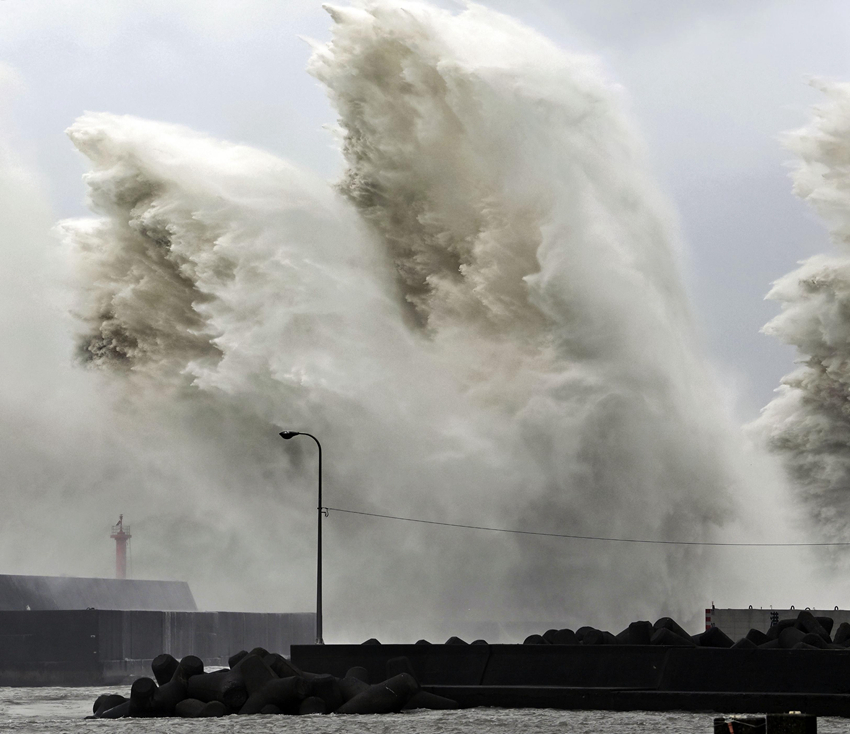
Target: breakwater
[(645, 667), (500, 676), (619, 678), (796, 665), (259, 682)]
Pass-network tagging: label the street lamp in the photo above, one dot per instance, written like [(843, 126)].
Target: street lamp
[(322, 511)]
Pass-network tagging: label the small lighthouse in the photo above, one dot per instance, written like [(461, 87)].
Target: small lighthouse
[(122, 536)]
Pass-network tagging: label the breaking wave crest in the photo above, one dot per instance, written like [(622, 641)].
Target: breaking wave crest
[(483, 321), (808, 423)]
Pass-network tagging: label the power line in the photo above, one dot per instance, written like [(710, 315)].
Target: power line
[(583, 537)]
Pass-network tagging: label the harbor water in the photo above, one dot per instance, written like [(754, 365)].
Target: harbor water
[(63, 710)]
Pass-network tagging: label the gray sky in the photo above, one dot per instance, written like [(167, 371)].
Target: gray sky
[(710, 85)]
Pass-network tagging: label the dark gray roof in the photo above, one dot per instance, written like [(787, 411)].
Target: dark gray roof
[(65, 592)]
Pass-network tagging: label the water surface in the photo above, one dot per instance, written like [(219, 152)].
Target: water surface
[(62, 710)]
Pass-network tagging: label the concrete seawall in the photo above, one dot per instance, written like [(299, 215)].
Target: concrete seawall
[(623, 677), (110, 647)]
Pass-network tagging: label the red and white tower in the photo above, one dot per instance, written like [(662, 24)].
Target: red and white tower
[(122, 536)]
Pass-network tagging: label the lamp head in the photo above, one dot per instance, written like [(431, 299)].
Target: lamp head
[(289, 434)]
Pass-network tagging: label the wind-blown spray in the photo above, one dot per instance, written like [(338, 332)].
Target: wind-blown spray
[(483, 322), (808, 423)]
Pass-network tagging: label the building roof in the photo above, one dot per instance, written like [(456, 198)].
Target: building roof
[(66, 592)]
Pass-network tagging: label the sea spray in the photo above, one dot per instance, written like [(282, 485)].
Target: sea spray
[(51, 417), (483, 322), (808, 422), (509, 191)]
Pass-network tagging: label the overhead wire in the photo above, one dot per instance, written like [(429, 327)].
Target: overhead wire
[(586, 537)]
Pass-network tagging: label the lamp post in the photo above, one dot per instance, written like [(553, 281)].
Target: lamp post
[(321, 511)]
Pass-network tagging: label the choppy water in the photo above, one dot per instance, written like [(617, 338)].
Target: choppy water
[(63, 710)]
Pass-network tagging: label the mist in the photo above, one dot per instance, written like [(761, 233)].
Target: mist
[(806, 424), (483, 320), (52, 422)]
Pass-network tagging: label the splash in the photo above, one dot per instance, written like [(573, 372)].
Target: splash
[(483, 321), (808, 423)]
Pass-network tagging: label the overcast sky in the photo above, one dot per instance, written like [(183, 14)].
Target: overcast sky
[(710, 85)]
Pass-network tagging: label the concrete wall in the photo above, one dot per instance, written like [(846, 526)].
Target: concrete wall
[(93, 647), (212, 636), (737, 622), (636, 667), (21, 593)]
